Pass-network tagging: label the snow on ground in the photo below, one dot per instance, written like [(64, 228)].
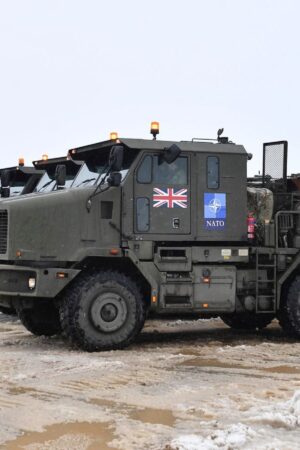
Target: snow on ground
[(183, 385)]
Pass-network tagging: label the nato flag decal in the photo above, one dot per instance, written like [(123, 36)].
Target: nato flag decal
[(214, 211)]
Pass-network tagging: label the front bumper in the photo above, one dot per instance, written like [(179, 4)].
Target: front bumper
[(49, 282)]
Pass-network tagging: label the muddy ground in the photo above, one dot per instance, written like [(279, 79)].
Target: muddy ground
[(182, 385)]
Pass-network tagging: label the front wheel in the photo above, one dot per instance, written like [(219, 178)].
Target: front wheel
[(289, 314), (102, 311)]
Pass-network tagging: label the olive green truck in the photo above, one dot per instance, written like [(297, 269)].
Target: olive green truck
[(155, 227)]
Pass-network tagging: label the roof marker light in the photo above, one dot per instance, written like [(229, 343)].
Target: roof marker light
[(113, 136), (154, 129), (45, 157), (21, 162)]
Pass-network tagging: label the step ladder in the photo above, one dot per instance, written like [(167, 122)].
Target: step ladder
[(265, 285)]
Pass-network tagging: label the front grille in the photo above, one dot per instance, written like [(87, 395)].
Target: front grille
[(3, 231)]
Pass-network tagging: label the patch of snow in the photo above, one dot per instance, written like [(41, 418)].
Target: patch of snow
[(279, 415), (234, 437)]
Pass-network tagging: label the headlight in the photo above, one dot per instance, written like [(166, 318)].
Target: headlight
[(31, 282)]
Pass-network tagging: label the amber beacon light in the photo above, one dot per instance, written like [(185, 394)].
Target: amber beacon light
[(154, 129), (21, 162), (45, 157), (113, 136)]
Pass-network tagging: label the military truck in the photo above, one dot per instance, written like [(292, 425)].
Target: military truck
[(19, 180), (155, 227), (59, 173)]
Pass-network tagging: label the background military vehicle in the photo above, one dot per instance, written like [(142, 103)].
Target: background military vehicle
[(158, 227), (58, 173), (19, 180)]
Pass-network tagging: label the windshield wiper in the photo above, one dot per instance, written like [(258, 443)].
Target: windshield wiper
[(88, 180), (45, 185)]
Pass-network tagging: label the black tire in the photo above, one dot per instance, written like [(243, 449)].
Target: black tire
[(289, 314), (42, 319), (8, 311), (247, 321), (102, 311)]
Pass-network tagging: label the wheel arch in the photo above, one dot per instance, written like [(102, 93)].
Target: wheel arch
[(122, 265)]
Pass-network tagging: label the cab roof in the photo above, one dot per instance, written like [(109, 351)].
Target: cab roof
[(23, 169), (157, 145), (53, 162)]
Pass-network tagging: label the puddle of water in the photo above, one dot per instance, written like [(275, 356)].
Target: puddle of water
[(146, 415), (282, 369), (98, 435), (154, 416), (213, 362)]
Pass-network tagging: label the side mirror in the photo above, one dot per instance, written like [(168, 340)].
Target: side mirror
[(116, 158), (114, 179), (60, 176), (5, 182), (170, 154)]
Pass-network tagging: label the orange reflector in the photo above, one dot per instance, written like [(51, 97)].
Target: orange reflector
[(18, 254), (21, 162), (114, 251), (154, 298), (206, 280), (113, 136), (61, 275), (205, 305)]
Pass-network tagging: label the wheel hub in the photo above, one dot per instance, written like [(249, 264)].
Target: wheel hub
[(108, 312)]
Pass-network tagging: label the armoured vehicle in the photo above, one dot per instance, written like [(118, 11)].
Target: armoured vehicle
[(58, 173), (155, 227), (19, 180)]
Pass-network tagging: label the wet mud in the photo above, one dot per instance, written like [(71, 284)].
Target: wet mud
[(182, 385)]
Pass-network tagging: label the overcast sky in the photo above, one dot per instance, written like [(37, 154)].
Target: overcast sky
[(74, 70)]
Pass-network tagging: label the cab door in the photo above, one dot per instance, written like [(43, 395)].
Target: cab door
[(162, 197)]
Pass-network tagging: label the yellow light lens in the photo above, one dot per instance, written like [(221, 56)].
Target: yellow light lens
[(155, 127), (45, 157), (113, 136), (21, 162)]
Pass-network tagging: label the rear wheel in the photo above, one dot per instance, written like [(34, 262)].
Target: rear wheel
[(102, 311), (247, 321), (289, 314), (42, 319)]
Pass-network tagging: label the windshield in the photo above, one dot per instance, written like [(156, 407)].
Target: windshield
[(88, 177), (96, 166), (48, 184), (16, 188)]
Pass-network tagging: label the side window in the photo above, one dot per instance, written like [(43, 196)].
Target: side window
[(142, 214), (174, 173), (144, 174), (213, 175)]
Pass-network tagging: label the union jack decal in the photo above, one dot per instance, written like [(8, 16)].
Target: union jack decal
[(169, 198)]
